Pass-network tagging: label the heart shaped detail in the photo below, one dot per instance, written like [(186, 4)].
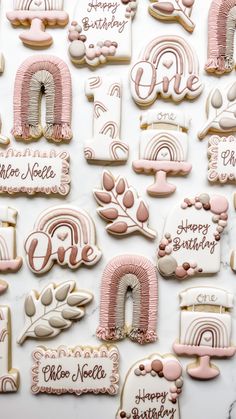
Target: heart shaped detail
[(207, 339), (62, 236), (168, 63), (38, 3)]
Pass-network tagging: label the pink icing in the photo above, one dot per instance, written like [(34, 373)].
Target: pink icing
[(172, 370), (219, 204)]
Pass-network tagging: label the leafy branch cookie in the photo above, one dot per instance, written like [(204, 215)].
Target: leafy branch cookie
[(173, 10)]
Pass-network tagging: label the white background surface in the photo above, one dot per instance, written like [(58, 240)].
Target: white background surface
[(200, 400)]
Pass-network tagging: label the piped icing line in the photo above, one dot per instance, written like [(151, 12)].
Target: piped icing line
[(173, 10), (222, 159), (221, 24), (139, 274), (53, 75)]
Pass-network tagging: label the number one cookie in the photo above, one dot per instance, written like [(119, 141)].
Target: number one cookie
[(9, 378), (105, 145)]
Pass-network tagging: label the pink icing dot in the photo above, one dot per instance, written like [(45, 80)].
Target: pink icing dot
[(224, 216), (168, 250), (172, 370), (105, 51), (174, 396), (219, 204), (161, 253), (165, 242), (112, 50), (180, 272), (198, 205), (148, 368), (190, 272), (184, 205), (91, 53), (193, 265), (173, 389)]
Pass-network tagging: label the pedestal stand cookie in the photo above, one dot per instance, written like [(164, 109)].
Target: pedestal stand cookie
[(163, 148), (192, 235), (102, 31), (8, 259), (9, 377), (205, 329), (173, 10), (37, 14), (152, 388)]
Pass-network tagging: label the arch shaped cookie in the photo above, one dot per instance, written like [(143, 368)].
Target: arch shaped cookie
[(152, 388), (9, 261), (173, 10), (221, 30), (65, 235), (37, 14), (168, 67), (139, 274), (53, 75)]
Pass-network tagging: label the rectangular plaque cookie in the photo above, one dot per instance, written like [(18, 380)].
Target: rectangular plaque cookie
[(78, 370), (222, 159), (33, 172)]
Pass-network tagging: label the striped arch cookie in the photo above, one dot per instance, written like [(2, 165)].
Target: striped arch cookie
[(139, 274), (37, 14), (167, 67), (65, 235), (106, 145), (53, 75), (221, 29)]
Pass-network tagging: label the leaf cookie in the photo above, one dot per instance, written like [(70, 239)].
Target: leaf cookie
[(53, 310), (121, 206)]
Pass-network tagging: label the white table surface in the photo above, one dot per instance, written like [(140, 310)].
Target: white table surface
[(200, 400)]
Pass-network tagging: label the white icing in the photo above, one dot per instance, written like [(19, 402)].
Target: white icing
[(165, 116), (206, 295), (7, 243), (174, 147), (38, 5)]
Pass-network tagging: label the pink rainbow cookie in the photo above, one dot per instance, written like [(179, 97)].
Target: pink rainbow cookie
[(78, 370), (9, 377), (152, 388), (205, 329), (65, 235), (8, 259), (173, 10), (102, 32), (37, 14), (139, 274), (192, 235), (166, 67), (163, 148), (53, 75), (221, 30)]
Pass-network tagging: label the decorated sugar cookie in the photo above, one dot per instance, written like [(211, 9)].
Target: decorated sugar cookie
[(9, 261), (9, 377), (222, 159), (65, 235), (163, 148), (53, 310), (167, 67), (122, 273), (173, 10), (34, 172), (220, 110), (37, 14), (233, 254), (192, 235), (3, 286), (152, 388), (76, 370), (205, 329), (221, 28), (105, 145), (3, 139), (121, 206), (102, 31), (51, 75)]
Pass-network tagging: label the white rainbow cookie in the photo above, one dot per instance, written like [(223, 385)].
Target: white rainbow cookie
[(192, 234), (53, 310), (152, 388), (37, 14), (65, 235), (221, 111), (222, 159), (205, 329), (9, 377), (121, 207), (51, 75), (32, 172), (76, 370), (122, 273), (221, 30), (168, 67), (105, 146), (8, 259), (163, 148), (102, 31), (173, 10)]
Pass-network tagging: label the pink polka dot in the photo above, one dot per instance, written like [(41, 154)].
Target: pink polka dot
[(148, 368), (219, 204), (172, 370), (180, 272)]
